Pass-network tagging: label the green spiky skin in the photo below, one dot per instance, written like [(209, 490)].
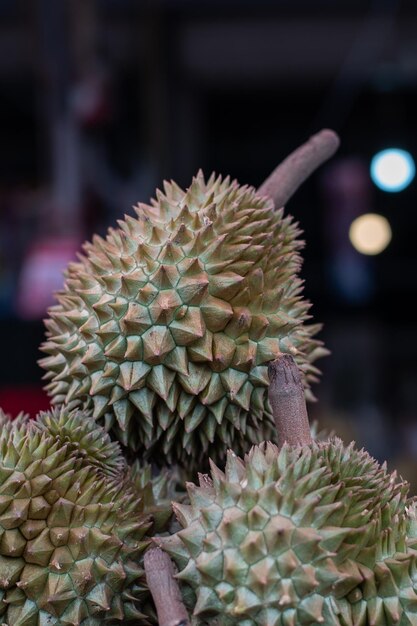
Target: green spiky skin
[(165, 328), (158, 491), (72, 526), (307, 535), (79, 432), (6, 419)]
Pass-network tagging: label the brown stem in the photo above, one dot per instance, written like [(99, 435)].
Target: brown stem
[(164, 588), (293, 171), (286, 395)]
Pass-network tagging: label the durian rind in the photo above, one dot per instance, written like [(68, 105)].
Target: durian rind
[(158, 489), (165, 328), (71, 533), (79, 431), (302, 535)]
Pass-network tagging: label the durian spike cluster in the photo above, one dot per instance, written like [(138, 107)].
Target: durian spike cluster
[(164, 329), (302, 535), (73, 526), (78, 431)]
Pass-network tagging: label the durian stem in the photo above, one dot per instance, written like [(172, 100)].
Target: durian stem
[(286, 395), (299, 165), (164, 588)]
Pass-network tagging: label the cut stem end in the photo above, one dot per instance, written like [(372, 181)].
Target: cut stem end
[(286, 396), (164, 588)]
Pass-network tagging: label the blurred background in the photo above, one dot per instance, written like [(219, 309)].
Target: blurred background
[(100, 100)]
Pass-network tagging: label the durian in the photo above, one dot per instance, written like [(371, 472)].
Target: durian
[(72, 526), (312, 534), (164, 329)]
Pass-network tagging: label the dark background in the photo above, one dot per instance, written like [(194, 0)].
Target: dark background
[(101, 100)]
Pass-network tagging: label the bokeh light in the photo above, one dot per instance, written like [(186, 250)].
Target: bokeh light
[(392, 169), (370, 233)]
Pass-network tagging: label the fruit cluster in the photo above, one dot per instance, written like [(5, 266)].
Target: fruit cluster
[(157, 365)]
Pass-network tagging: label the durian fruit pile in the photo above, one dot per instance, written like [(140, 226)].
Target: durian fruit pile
[(157, 358)]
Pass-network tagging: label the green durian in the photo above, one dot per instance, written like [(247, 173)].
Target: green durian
[(164, 329), (73, 526), (313, 534)]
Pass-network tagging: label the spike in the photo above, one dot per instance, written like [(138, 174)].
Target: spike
[(245, 356), (99, 599), (192, 289), (189, 328), (239, 323), (216, 313), (160, 380), (197, 379), (191, 267), (171, 253), (144, 400), (210, 566), (147, 294), (98, 383), (94, 357), (225, 285), (157, 343), (201, 350), (162, 309), (181, 236), (132, 375), (213, 391), (311, 609), (268, 350), (100, 405), (116, 349), (136, 320), (134, 348), (165, 277), (223, 351), (177, 360), (132, 282)]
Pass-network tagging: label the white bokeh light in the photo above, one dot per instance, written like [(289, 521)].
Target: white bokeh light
[(370, 233), (392, 169)]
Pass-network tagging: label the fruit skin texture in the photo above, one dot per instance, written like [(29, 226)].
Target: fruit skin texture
[(305, 535), (165, 328), (158, 489), (72, 526), (78, 431)]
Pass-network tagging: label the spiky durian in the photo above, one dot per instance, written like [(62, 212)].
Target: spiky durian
[(72, 526), (165, 328), (303, 535)]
